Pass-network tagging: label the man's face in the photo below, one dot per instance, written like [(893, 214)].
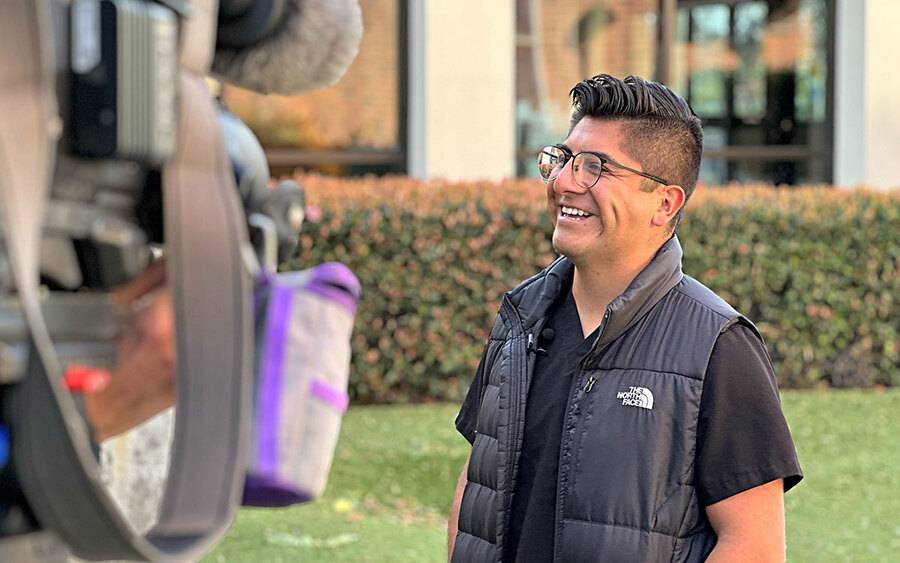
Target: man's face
[(619, 214)]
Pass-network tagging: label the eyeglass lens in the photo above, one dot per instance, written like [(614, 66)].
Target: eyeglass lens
[(586, 168)]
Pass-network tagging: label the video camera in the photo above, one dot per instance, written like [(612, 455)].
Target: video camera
[(113, 150)]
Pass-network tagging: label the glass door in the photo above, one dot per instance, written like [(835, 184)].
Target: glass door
[(758, 72)]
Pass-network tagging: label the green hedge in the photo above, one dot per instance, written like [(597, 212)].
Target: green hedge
[(817, 269)]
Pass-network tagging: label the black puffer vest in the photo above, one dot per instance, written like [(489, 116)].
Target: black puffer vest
[(626, 488)]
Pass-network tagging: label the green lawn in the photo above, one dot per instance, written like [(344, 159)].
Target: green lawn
[(394, 473)]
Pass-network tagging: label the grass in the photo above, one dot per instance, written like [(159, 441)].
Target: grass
[(396, 467), (847, 508)]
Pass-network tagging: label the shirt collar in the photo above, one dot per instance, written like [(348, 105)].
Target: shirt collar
[(535, 297)]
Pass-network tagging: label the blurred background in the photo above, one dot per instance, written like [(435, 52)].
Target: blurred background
[(419, 169), (790, 91)]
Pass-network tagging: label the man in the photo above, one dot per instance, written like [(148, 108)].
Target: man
[(622, 412)]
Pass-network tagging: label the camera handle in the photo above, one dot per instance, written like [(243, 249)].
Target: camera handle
[(210, 264)]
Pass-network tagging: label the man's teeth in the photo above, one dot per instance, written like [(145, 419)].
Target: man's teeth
[(574, 212)]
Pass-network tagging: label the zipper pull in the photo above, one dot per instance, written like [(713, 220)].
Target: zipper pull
[(590, 384), (530, 346)]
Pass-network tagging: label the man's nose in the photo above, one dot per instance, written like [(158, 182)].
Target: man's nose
[(565, 180)]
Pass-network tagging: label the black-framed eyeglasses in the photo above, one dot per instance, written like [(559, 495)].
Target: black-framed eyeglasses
[(587, 166)]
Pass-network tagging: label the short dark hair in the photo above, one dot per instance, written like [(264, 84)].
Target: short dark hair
[(661, 130)]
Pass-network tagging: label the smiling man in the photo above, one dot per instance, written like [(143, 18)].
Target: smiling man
[(622, 412)]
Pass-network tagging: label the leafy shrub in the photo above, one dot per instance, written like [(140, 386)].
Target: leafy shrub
[(817, 269)]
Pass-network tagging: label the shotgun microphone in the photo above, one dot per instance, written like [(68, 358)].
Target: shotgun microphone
[(286, 46)]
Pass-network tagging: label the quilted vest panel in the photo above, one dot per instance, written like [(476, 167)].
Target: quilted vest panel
[(625, 487), (626, 482)]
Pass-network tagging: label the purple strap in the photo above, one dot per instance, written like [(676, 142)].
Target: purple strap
[(268, 414), (334, 397)]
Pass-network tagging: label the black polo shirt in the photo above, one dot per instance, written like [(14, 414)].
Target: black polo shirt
[(742, 438)]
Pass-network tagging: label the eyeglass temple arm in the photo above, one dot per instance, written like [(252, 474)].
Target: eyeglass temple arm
[(656, 179)]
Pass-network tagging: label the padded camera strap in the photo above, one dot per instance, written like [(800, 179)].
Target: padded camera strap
[(208, 273)]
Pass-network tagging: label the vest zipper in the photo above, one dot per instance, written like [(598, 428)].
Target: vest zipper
[(592, 352), (518, 373), (572, 411)]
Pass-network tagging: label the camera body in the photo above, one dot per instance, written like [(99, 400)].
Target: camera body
[(124, 65), (117, 69), (117, 74)]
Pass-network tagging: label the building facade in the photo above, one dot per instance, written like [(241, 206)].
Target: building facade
[(790, 91)]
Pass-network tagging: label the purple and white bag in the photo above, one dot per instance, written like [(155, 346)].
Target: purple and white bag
[(303, 328)]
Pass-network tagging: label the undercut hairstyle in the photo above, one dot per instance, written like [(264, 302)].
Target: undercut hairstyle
[(660, 129)]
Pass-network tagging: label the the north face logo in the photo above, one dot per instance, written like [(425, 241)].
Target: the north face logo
[(636, 397)]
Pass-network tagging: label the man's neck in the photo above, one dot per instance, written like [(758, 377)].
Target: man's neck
[(597, 284)]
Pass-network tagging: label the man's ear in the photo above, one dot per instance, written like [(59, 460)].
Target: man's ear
[(671, 201)]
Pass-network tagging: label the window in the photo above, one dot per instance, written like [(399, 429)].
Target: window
[(756, 71), (559, 43), (357, 126)]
